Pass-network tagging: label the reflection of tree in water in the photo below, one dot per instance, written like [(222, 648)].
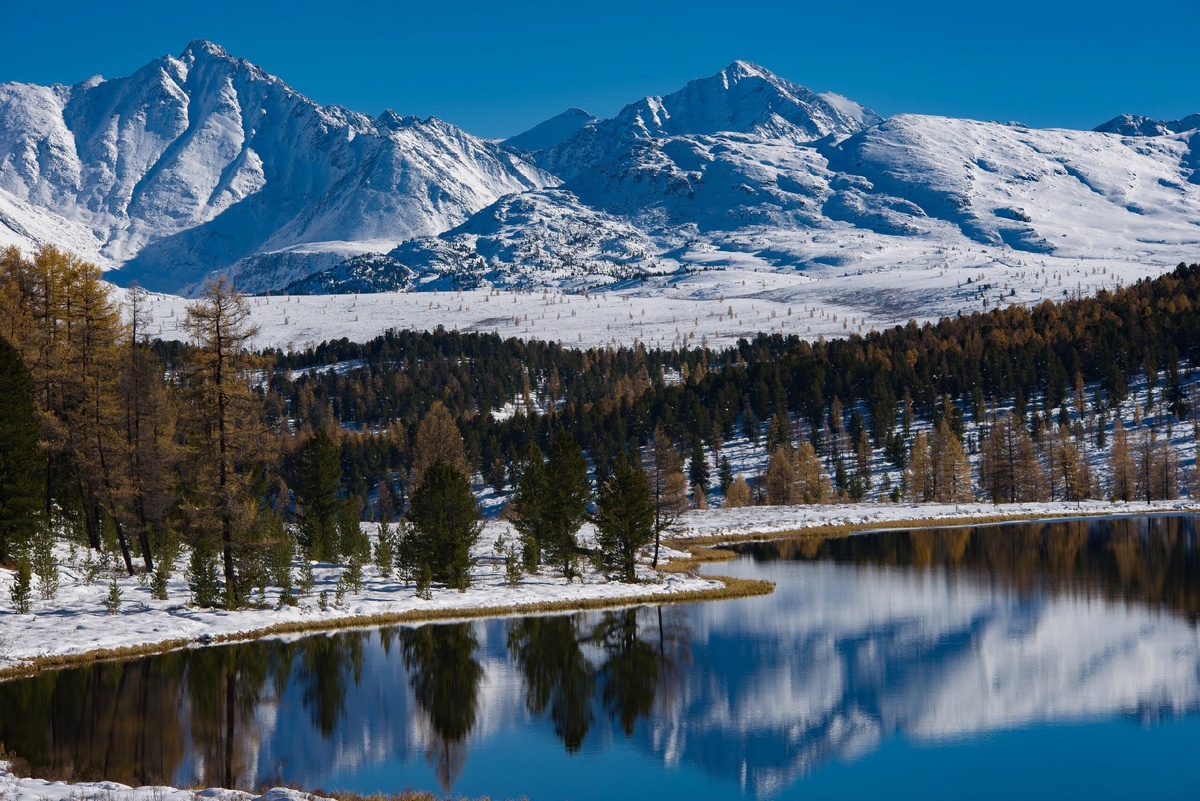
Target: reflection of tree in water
[(445, 676), (557, 674), (130, 721), (113, 721), (1155, 560), (324, 664), (629, 669), (225, 687)]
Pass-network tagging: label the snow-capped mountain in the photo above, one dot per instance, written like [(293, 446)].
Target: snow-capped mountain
[(206, 162), (913, 192), (553, 131), (1137, 125)]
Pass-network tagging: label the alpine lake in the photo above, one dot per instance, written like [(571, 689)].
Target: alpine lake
[(1038, 660)]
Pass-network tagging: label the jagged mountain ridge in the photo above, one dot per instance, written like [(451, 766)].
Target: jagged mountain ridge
[(1137, 125), (207, 162), (910, 192)]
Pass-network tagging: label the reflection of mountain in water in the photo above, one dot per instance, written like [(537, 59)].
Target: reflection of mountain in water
[(938, 634), (932, 635)]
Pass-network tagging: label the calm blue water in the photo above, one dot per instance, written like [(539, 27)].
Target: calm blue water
[(1033, 661)]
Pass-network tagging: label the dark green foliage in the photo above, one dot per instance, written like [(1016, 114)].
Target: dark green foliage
[(725, 474), (444, 519), (385, 549), (624, 520), (527, 501), (203, 577), (112, 602), (558, 676), (445, 677), (318, 490), (551, 503), (22, 465), (21, 591), (698, 465)]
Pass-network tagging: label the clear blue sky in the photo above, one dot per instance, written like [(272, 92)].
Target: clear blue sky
[(497, 68)]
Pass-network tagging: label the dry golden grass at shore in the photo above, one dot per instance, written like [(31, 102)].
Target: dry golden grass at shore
[(730, 588)]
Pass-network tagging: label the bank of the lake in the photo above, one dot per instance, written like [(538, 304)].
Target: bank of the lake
[(75, 628), (925, 660)]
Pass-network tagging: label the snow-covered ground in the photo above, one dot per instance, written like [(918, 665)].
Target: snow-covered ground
[(769, 521), (76, 620), (13, 788), (713, 308)]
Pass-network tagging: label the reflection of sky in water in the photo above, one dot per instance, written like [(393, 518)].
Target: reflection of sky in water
[(1019, 673), (847, 664)]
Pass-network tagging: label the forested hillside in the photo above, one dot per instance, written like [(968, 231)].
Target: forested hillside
[(158, 450)]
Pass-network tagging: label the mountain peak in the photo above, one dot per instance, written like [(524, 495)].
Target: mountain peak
[(745, 98), (203, 47), (748, 69), (551, 132), (1138, 125)]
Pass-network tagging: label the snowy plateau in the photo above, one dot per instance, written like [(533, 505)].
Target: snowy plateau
[(743, 199)]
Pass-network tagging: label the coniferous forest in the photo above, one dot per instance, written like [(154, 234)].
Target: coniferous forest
[(232, 460)]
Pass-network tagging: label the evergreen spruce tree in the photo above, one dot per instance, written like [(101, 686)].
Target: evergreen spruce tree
[(528, 505), (318, 493), (21, 591), (624, 520), (698, 466), (725, 474), (22, 465), (112, 602), (203, 579), (444, 519), (568, 493)]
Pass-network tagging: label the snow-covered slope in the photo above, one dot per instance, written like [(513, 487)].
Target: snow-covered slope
[(206, 162), (903, 196), (553, 131)]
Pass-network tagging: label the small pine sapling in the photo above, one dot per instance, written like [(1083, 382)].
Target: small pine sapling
[(45, 566), (307, 579), (21, 591), (424, 589), (385, 550), (112, 602)]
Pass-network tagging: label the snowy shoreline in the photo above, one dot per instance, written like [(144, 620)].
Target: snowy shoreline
[(14, 788), (75, 627)]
